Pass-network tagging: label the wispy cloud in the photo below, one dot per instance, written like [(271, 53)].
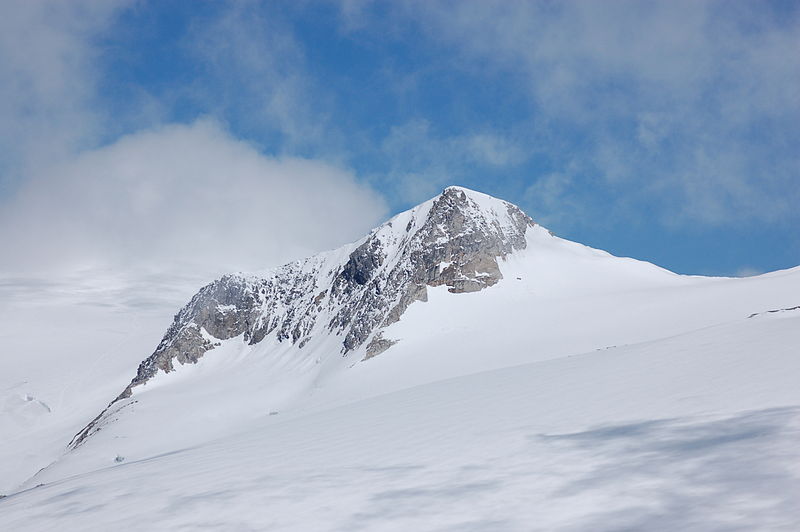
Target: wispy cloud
[(691, 107), (422, 160), (553, 198), (47, 79), (253, 70)]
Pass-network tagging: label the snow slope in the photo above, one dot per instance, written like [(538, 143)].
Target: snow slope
[(582, 391), (66, 345), (694, 432)]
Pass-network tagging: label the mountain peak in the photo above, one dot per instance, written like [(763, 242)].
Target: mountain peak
[(468, 191), (462, 214), (471, 218), (452, 240), (456, 189), (462, 195)]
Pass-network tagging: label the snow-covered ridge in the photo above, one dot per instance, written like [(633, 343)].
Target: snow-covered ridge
[(351, 293)]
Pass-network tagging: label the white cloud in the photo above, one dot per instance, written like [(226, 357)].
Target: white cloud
[(181, 197), (47, 78)]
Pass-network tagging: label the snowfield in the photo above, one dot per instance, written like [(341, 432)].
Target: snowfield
[(695, 432), (68, 345), (581, 392)]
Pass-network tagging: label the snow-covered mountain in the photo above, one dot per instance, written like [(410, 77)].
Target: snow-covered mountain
[(461, 367), (350, 294)]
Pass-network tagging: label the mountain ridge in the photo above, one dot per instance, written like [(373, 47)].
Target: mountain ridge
[(353, 292)]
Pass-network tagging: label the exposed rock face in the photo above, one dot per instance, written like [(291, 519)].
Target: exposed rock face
[(453, 240)]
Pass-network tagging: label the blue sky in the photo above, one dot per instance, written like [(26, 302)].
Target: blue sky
[(663, 131)]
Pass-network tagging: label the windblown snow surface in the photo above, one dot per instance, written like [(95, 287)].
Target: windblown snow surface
[(581, 392)]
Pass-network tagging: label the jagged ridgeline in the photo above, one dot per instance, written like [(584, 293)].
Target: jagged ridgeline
[(354, 292)]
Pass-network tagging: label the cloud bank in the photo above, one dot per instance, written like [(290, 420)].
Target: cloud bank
[(182, 196)]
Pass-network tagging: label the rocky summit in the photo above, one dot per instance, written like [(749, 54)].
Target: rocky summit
[(351, 293)]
